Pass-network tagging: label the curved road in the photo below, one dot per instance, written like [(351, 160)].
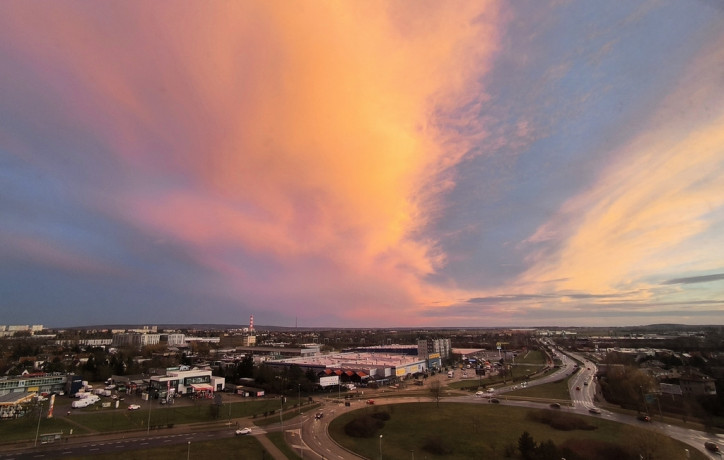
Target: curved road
[(309, 437)]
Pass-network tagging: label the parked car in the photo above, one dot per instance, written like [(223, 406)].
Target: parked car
[(555, 406), (133, 407), (243, 431)]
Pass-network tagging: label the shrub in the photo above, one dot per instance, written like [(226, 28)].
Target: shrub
[(364, 426), (591, 449), (560, 420), (435, 445)]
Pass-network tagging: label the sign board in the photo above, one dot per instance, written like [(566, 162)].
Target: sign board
[(400, 371), (433, 355), (329, 381)]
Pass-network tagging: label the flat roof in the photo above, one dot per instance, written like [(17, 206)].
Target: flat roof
[(12, 399), (364, 360)]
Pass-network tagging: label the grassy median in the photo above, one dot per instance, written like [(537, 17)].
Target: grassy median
[(487, 431)]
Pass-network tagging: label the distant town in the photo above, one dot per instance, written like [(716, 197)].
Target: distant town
[(665, 370)]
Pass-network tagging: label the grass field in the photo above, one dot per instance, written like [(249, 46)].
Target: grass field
[(555, 390), (278, 439), (97, 419), (246, 447), (483, 432)]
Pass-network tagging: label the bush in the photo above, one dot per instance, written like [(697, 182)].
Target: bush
[(435, 445), (560, 420), (365, 426), (590, 449)]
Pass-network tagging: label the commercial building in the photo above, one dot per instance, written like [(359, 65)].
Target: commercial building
[(198, 382), (14, 405), (173, 340), (33, 383), (135, 339), (359, 367)]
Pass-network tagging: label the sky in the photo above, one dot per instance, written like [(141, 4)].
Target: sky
[(362, 164)]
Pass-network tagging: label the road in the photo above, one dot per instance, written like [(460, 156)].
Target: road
[(309, 436)]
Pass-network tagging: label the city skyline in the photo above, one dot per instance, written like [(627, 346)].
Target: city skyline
[(362, 164)]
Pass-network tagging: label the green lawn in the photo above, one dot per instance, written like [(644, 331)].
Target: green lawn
[(482, 431), (25, 428), (95, 418), (531, 357), (277, 438), (555, 390), (246, 447)]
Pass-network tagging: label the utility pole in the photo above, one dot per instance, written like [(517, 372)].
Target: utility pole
[(40, 415)]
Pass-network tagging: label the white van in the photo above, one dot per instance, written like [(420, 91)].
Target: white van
[(85, 402)]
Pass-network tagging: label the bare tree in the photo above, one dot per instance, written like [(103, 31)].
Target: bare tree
[(436, 391)]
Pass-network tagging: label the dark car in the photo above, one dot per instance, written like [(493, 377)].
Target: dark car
[(555, 406), (319, 415), (644, 418), (495, 401), (711, 446)]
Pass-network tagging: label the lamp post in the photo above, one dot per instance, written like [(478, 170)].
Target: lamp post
[(188, 450), (380, 447), (40, 415), (299, 398), (148, 425)]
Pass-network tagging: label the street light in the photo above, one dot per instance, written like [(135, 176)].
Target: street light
[(40, 414), (380, 447), (188, 451), (148, 425)]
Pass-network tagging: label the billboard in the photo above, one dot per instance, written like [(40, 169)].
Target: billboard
[(400, 371), (433, 355), (328, 381)]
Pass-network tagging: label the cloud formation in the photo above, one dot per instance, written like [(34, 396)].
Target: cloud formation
[(361, 163)]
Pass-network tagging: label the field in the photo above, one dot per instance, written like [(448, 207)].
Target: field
[(483, 431), (246, 447), (97, 419)]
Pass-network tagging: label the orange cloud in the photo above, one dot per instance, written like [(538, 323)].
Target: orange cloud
[(652, 213), (288, 130)]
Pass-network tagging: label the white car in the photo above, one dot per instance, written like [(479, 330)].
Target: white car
[(479, 394), (133, 407), (242, 431)]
